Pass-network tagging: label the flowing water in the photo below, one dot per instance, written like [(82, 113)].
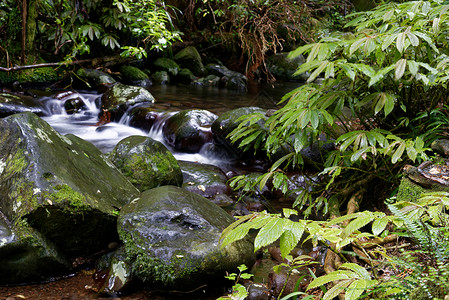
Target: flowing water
[(169, 99)]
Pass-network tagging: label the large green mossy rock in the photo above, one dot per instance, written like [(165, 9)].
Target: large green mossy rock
[(61, 186), (172, 236), (168, 65), (226, 123), (134, 76), (32, 77), (118, 98), (95, 78), (146, 163), (189, 58), (27, 256)]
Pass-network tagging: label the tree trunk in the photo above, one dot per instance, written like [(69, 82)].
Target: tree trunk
[(31, 27), (24, 30)]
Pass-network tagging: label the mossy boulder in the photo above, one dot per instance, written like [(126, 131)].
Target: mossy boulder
[(172, 236), (27, 256), (95, 78), (161, 78), (120, 97), (62, 186), (205, 180), (190, 58), (134, 76), (185, 76), (226, 123), (13, 104), (282, 67), (168, 65), (189, 130), (32, 77), (146, 163), (145, 116)]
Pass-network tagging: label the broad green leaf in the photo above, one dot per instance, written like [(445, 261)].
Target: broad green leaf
[(388, 40), (356, 224), (288, 241), (412, 67), (299, 51), (348, 71), (379, 225), (297, 228), (269, 233), (436, 25), (314, 52), (380, 103), (398, 153), (317, 71), (400, 41), (355, 289), (334, 276), (413, 39), (360, 271), (330, 70), (356, 45), (338, 288), (389, 104), (380, 75), (356, 155), (400, 68)]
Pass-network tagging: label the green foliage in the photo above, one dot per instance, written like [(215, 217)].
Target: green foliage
[(379, 85), (239, 292)]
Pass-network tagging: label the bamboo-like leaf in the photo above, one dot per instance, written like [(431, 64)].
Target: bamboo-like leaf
[(356, 45), (333, 276), (330, 70), (338, 288), (413, 67), (317, 71), (388, 40), (357, 269), (380, 103), (297, 52), (436, 25), (348, 71), (398, 153), (400, 41), (356, 224), (400, 68), (413, 39), (313, 52), (355, 289)]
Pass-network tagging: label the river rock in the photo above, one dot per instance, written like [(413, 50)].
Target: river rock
[(62, 186), (145, 116), (146, 163), (226, 123), (95, 78), (161, 78), (190, 58), (114, 274), (118, 98), (172, 236), (186, 76), (26, 255), (229, 79), (441, 146), (205, 180), (189, 130), (282, 67), (13, 104), (209, 80), (168, 65), (134, 76)]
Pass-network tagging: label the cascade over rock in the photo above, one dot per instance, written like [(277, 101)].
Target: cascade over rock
[(13, 104), (62, 186), (172, 236)]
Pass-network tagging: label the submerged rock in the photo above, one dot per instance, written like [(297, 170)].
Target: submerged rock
[(189, 58), (171, 238), (146, 163), (117, 99), (27, 256), (61, 186), (205, 180), (189, 130)]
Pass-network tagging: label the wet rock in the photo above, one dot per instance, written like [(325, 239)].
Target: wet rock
[(14, 104), (226, 123), (27, 256), (168, 65), (144, 117), (171, 238), (114, 274), (209, 80), (258, 291), (161, 78), (134, 76), (189, 58), (117, 99), (205, 180), (441, 146), (61, 186), (282, 67), (74, 105), (189, 130), (229, 79), (95, 78), (185, 76), (146, 163), (222, 200)]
